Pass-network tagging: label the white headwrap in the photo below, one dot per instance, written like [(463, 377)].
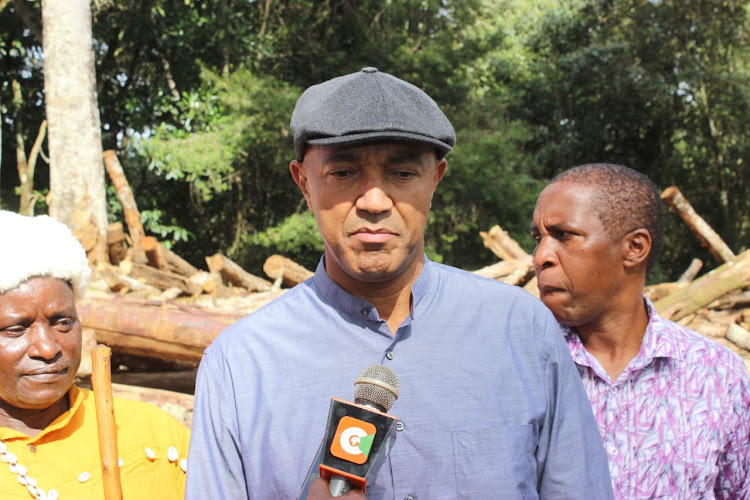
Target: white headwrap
[(40, 246)]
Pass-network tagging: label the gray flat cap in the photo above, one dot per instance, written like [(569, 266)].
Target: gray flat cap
[(366, 106)]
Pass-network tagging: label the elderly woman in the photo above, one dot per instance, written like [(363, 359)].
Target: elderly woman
[(48, 433)]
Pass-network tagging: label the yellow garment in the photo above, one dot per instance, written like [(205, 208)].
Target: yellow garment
[(61, 454)]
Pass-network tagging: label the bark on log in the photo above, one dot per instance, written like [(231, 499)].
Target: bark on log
[(159, 279), (162, 258), (501, 244), (178, 381), (731, 276), (291, 273), (691, 272), (125, 195), (177, 264), (504, 268), (116, 243), (121, 283), (705, 233), (739, 336), (153, 250), (659, 290), (234, 274), (156, 331), (176, 404), (532, 287), (520, 276)]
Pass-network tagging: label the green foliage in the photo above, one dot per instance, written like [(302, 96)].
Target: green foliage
[(296, 237), (196, 97)]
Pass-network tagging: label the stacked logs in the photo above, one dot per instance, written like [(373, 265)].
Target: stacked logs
[(147, 303), (158, 312)]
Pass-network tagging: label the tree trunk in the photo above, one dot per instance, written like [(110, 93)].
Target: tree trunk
[(75, 145)]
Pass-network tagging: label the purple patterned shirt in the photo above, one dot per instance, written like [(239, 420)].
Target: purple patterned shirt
[(676, 422)]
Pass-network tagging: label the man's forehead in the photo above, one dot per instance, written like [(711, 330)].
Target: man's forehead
[(388, 150)]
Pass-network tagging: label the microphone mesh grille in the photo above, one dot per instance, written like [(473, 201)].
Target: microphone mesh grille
[(377, 385)]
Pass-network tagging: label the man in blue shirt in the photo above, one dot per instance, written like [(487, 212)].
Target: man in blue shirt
[(490, 405)]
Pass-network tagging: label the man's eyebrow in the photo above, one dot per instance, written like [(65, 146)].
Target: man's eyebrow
[(406, 157), (340, 157)]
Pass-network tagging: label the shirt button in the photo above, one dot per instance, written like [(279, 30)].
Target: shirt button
[(399, 426), (32, 448), (83, 477), (408, 497), (150, 454), (364, 311), (389, 354), (613, 451)]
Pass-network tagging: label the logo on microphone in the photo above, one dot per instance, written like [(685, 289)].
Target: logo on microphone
[(353, 440)]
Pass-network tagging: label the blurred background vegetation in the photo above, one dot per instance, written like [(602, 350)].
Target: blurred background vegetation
[(196, 97)]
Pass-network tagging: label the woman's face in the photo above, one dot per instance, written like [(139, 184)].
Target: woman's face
[(40, 343)]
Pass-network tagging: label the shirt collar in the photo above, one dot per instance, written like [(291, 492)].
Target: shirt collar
[(75, 399), (347, 303), (658, 342)]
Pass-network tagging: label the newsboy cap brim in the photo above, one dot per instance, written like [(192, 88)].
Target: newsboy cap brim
[(368, 106)]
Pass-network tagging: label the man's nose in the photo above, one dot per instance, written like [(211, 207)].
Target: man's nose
[(374, 196), (43, 342), (544, 255)]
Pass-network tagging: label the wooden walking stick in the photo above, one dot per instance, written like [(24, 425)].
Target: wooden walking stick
[(101, 382)]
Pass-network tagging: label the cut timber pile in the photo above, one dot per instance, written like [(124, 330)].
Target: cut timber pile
[(158, 312), (716, 304)]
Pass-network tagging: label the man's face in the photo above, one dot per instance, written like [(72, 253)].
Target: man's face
[(40, 343), (371, 203), (578, 265)]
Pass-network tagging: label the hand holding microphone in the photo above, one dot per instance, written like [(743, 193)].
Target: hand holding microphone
[(358, 435)]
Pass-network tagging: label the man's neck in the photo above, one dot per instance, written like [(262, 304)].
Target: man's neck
[(32, 422), (615, 339), (392, 298)]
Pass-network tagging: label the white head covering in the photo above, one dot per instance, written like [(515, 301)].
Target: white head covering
[(40, 246)]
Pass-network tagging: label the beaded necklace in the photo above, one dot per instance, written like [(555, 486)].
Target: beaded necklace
[(23, 478)]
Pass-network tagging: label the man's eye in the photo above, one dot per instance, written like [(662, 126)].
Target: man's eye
[(404, 174), (64, 323), (13, 331), (341, 174)]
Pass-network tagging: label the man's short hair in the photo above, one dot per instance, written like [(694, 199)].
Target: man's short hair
[(625, 200)]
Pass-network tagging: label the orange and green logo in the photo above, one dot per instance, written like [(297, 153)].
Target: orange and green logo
[(353, 440)]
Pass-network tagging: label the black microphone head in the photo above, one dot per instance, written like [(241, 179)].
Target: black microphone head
[(376, 386)]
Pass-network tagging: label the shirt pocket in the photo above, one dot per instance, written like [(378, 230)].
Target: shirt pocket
[(499, 461)]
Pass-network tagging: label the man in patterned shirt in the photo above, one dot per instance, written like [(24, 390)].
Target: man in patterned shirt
[(673, 407)]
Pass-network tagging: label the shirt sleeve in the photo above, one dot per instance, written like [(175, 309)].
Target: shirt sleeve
[(571, 461), (733, 481), (215, 467)]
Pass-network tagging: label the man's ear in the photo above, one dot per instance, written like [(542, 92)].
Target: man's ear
[(300, 178), (638, 247)]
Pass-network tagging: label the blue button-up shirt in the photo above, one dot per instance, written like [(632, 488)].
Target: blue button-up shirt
[(490, 405)]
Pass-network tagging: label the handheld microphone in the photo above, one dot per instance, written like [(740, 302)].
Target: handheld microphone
[(358, 435)]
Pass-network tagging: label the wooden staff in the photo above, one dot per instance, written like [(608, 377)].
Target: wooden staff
[(101, 382)]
